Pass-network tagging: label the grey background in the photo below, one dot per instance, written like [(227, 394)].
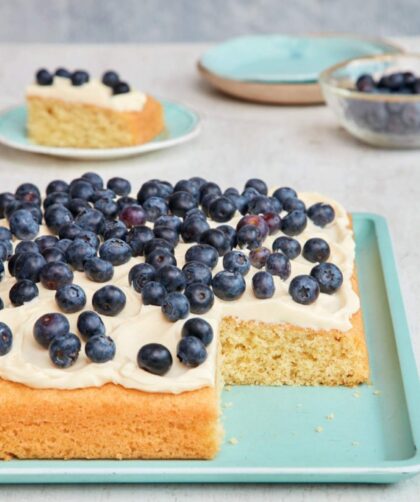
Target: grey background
[(196, 20)]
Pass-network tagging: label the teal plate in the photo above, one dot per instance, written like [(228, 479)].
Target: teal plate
[(300, 434), (181, 125), (286, 59)]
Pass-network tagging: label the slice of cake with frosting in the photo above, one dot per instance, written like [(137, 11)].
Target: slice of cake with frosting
[(124, 315), (73, 110)]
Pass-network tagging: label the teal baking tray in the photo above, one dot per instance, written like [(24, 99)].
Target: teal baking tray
[(367, 434)]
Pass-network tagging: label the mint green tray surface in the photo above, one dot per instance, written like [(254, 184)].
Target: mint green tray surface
[(373, 436), (286, 59)]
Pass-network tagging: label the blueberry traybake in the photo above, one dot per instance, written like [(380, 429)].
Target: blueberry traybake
[(72, 110), (124, 315)]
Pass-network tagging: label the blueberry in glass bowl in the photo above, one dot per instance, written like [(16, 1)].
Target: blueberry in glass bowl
[(377, 98)]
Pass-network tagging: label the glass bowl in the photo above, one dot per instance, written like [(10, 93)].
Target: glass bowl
[(382, 119)]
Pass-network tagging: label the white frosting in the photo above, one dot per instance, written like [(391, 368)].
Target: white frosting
[(93, 92), (137, 324)]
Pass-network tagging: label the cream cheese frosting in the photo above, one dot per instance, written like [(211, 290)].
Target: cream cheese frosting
[(93, 92), (137, 324)]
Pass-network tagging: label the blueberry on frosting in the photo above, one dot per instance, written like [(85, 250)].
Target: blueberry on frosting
[(154, 358), (6, 339), (44, 77)]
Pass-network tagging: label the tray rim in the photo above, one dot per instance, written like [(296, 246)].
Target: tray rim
[(124, 471)]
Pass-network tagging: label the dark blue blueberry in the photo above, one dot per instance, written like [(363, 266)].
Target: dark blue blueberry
[(258, 257), (34, 209), (121, 88), (276, 204), (64, 350), (110, 78), (98, 270), (172, 278), (195, 271), (228, 285), (26, 247), (294, 223), (236, 261), (328, 276), (78, 252), (195, 211), (209, 188), (157, 243), (321, 214), (216, 239), (90, 238), (198, 181), (316, 250), (231, 191), (91, 219), (46, 241), (288, 246), (175, 306), (304, 289), (23, 291), (250, 193), (203, 253), (365, 83), (57, 186), (6, 339), (222, 209), (152, 188), (133, 216), (1, 275), (292, 203), (154, 358), (90, 324), (116, 251), (284, 193), (107, 207), (5, 234), (230, 235), (54, 275), (181, 202), (120, 186), (207, 202), (188, 186), (105, 193), (258, 184), (199, 328), (26, 188), (153, 293), (63, 244), (191, 351), (5, 199), (79, 77), (200, 297), (44, 77), (11, 264), (114, 229), (137, 238), (260, 205), (62, 72), (56, 216), (62, 198), (239, 201), (109, 300), (167, 234), (160, 258), (69, 231), (263, 285), (28, 266), (249, 237), (141, 274), (94, 179), (48, 326), (54, 255), (5, 250), (100, 349), (278, 264), (81, 189), (76, 206), (273, 221), (23, 225), (70, 298), (169, 221), (192, 228)]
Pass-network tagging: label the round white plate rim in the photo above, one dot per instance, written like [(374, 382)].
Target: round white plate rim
[(102, 153)]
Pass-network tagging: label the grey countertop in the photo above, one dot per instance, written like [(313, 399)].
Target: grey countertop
[(301, 147)]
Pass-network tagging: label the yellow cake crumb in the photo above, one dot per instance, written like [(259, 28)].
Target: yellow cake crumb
[(319, 429), (233, 441), (331, 416), (376, 392)]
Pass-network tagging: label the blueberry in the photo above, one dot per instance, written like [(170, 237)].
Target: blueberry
[(231, 191), (365, 83), (154, 358), (110, 78), (70, 298), (260, 205), (62, 72), (5, 199), (44, 77), (256, 221), (5, 234), (199, 328), (62, 245), (120, 186), (181, 202), (4, 250), (90, 238), (195, 211), (78, 253), (167, 234), (250, 193), (172, 278), (109, 300), (69, 231), (45, 241), (192, 228), (6, 339), (140, 274), (249, 237), (23, 291), (107, 207), (203, 253), (284, 193), (200, 298), (28, 266), (188, 186), (155, 207), (56, 216), (153, 293), (89, 324), (153, 188), (206, 203), (1, 273), (91, 219), (169, 221), (316, 250), (54, 275), (273, 221), (34, 209), (209, 188), (133, 215), (278, 264), (26, 247), (81, 189), (236, 261), (79, 77), (104, 193), (94, 179), (157, 244), (228, 285), (258, 184), (294, 223), (263, 285), (230, 235), (121, 88), (98, 270), (198, 181), (258, 257), (222, 209), (116, 251), (48, 326), (115, 229), (62, 198), (321, 214), (191, 351), (292, 203), (137, 238), (175, 306), (23, 225), (288, 246), (276, 204), (57, 186), (328, 276), (194, 271), (100, 349), (160, 258), (217, 239), (64, 350), (77, 206), (304, 289), (239, 201)]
